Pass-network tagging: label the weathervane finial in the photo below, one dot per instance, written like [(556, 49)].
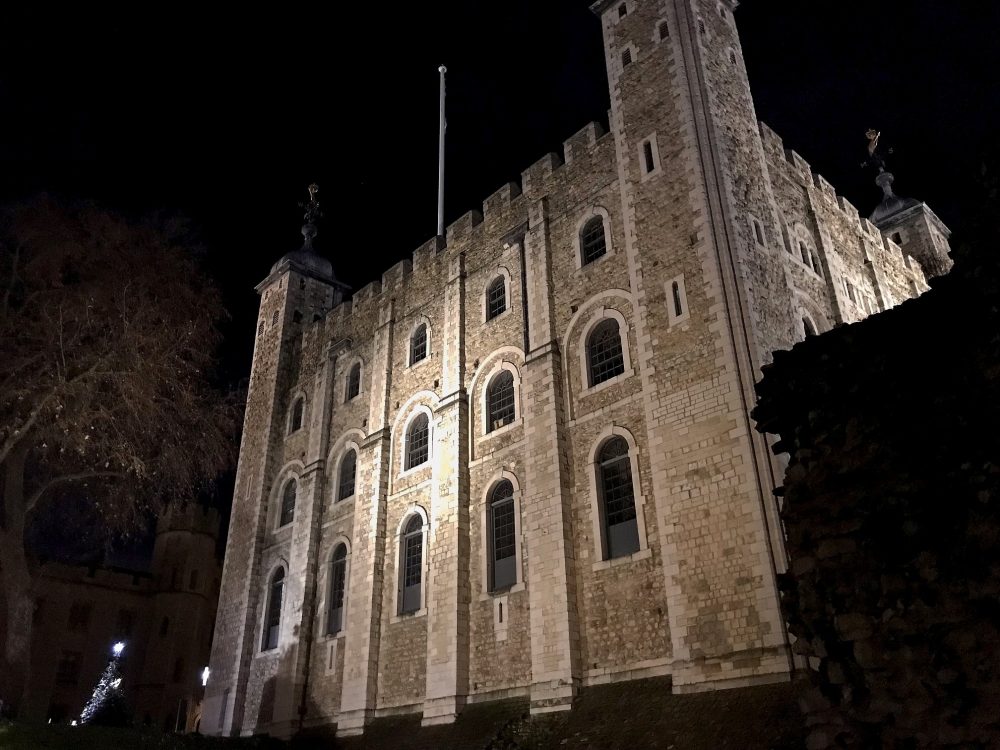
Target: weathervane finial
[(875, 157), (311, 216)]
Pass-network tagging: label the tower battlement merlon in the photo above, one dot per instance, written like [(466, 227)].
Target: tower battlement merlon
[(582, 141), (460, 229), (498, 205)]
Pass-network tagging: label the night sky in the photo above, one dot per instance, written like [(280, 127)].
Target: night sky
[(227, 118)]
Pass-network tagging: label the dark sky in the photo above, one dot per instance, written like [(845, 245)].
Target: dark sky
[(227, 118)]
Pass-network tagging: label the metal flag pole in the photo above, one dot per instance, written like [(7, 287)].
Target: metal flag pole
[(442, 70)]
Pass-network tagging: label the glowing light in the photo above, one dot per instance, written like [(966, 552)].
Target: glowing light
[(204, 676), (118, 648), (116, 683), (73, 723)]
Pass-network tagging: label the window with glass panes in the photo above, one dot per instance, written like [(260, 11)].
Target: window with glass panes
[(338, 580), (272, 620), (621, 532), (605, 359), (592, 242), (417, 441), (418, 344), (287, 504), (353, 382), (496, 298), (503, 571), (412, 564), (500, 401), (348, 473)]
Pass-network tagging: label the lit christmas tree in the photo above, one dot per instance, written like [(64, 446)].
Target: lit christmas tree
[(107, 703)]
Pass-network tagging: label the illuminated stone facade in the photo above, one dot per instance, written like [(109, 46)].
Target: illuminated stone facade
[(647, 274)]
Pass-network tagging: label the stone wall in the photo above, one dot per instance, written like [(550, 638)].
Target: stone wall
[(890, 509)]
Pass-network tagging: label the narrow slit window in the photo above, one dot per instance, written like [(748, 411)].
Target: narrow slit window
[(664, 30), (626, 57), (622, 10), (297, 410), (758, 231), (675, 293), (647, 157)]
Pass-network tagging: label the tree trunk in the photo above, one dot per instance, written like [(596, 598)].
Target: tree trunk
[(15, 580)]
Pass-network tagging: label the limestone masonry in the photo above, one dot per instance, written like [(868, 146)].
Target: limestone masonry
[(523, 463)]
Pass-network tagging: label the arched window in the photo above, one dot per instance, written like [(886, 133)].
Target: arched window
[(808, 327), (411, 555), (348, 473), (418, 344), (417, 441), (501, 546), (604, 352), (297, 408), (338, 583), (353, 382), (500, 401), (617, 499), (287, 504), (272, 617), (496, 298), (592, 242)]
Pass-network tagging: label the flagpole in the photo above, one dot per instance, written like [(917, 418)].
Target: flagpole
[(440, 229)]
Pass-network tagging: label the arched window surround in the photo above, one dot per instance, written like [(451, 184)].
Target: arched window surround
[(351, 364), (404, 438), (326, 584), (600, 315), (596, 513), (497, 368), (296, 397), (484, 531), (421, 320), (425, 577), (500, 272), (269, 580), (804, 244), (609, 249)]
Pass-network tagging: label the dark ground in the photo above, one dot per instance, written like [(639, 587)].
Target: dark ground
[(637, 715)]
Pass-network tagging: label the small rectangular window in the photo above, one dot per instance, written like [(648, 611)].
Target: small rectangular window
[(622, 10), (626, 57), (758, 231), (664, 30)]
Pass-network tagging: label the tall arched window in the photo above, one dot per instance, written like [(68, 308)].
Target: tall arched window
[(417, 441), (353, 382), (604, 352), (297, 409), (617, 499), (347, 475), (500, 401), (500, 542), (338, 584), (592, 242), (411, 556), (272, 617), (418, 344), (496, 298), (287, 504)]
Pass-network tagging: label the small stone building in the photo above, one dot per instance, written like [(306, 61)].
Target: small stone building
[(522, 462), (163, 616)]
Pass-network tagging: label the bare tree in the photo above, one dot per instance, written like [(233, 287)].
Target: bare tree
[(107, 340)]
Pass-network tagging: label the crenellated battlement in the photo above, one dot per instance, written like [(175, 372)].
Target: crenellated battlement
[(396, 275), (582, 141), (498, 205)]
